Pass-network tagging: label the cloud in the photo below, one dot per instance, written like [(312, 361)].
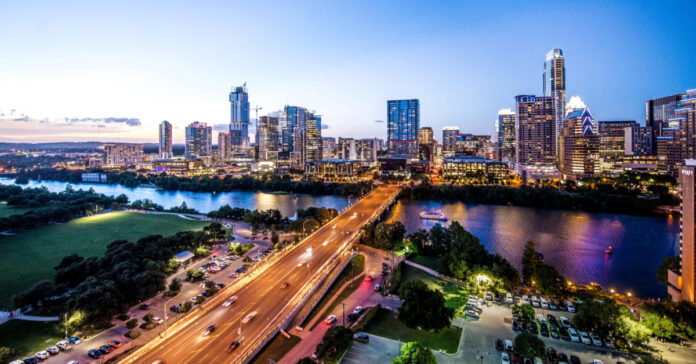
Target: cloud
[(221, 127), (127, 121), (379, 121), (23, 117), (324, 126)]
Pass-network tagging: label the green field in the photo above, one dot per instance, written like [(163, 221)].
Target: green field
[(29, 256), (428, 262), (276, 349), (455, 295), (6, 210), (28, 337)]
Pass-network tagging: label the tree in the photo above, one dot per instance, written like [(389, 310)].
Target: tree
[(274, 235), (335, 341), (306, 360), (5, 354), (529, 345), (673, 263), (175, 285), (132, 323), (601, 317), (149, 317), (415, 353), (550, 281), (525, 311), (530, 259), (423, 307)]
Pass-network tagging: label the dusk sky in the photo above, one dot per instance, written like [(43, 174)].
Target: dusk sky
[(116, 70)]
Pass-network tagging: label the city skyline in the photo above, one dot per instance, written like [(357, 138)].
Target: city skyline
[(462, 86)]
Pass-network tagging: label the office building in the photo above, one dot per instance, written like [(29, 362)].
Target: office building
[(677, 141), (658, 112), (306, 140), (579, 146), (224, 151), (535, 128), (449, 139), (425, 135), (123, 154), (268, 139), (460, 167), (199, 138), (332, 168), (329, 148), (682, 284), (506, 136), (639, 141), (574, 104), (403, 123), (289, 118), (165, 140), (612, 137), (239, 121), (426, 144), (555, 83)]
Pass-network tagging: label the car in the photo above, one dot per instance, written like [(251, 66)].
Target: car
[(525, 299), (554, 333), (106, 349), (499, 344), (352, 317), (233, 275), (74, 340), (508, 345), (515, 326), (585, 338), (541, 318), (562, 306), (212, 271), (489, 296), (472, 313), (544, 303), (232, 346), (314, 355), (551, 354), (378, 287), (535, 301), (361, 337), (564, 333), (229, 301), (504, 358), (64, 345), (30, 360), (209, 330), (564, 321), (474, 308), (368, 278), (95, 354), (115, 344), (53, 350), (544, 330), (248, 317), (596, 361), (241, 270), (158, 320), (508, 298), (527, 361), (159, 361), (596, 341), (608, 343), (553, 305), (17, 362), (575, 360), (220, 285), (533, 328), (285, 285), (329, 320), (42, 355), (144, 306), (358, 310), (573, 335), (73, 362), (205, 293), (562, 358), (571, 306)]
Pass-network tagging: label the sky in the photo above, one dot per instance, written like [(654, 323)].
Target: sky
[(111, 71)]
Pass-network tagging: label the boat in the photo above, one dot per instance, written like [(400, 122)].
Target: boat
[(426, 215), (609, 250)]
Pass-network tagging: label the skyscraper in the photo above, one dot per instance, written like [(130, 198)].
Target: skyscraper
[(449, 138), (506, 136), (239, 122), (682, 285), (123, 154), (267, 138), (555, 83), (292, 117), (658, 112), (403, 122), (612, 137), (535, 127), (302, 136), (579, 146), (199, 138), (165, 140), (677, 139), (224, 146)]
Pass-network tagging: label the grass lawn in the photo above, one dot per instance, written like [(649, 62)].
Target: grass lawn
[(358, 266), (6, 210), (455, 295), (386, 324), (428, 262), (276, 349), (28, 337), (29, 256)]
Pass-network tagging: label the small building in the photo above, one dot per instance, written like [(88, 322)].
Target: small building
[(94, 177), (184, 257), (333, 167), (466, 166)]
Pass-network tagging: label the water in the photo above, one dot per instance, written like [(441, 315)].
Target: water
[(572, 241), (204, 201)]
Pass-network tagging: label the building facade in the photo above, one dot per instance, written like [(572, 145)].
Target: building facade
[(612, 137), (449, 139), (224, 151), (123, 154), (682, 284), (658, 112), (639, 141), (555, 83), (268, 138), (199, 137), (454, 168), (579, 146), (329, 149), (306, 141), (403, 123), (506, 136), (535, 128), (332, 168), (239, 120), (677, 141), (165, 140)]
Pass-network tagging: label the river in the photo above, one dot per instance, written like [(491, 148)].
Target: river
[(572, 241)]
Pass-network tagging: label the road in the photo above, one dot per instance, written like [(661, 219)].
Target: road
[(264, 294)]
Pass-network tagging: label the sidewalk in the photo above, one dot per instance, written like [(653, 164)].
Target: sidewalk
[(18, 315)]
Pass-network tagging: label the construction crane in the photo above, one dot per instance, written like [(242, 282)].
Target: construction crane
[(256, 109)]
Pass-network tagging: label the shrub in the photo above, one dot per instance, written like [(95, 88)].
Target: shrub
[(365, 319), (122, 317), (148, 325), (132, 323), (133, 334)]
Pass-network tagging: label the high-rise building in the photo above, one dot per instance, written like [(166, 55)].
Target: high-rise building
[(426, 143), (292, 117), (224, 146), (535, 128), (199, 137), (574, 104), (449, 138), (403, 122), (425, 135), (165, 140), (239, 121), (329, 148), (682, 285), (555, 83), (267, 138), (579, 146), (506, 136), (306, 137), (677, 141), (123, 154), (639, 141), (658, 112), (612, 137)]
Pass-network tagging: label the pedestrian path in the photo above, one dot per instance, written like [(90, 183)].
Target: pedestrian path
[(18, 315)]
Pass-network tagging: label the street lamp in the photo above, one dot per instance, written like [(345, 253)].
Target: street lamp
[(164, 308)]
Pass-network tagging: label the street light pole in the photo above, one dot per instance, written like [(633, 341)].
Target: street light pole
[(344, 313)]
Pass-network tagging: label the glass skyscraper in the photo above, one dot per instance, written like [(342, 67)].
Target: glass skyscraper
[(199, 137), (403, 122), (239, 122), (165, 140), (535, 131), (555, 84)]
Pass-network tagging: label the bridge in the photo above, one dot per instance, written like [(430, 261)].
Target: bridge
[(261, 293)]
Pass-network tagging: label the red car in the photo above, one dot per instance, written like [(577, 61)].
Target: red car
[(115, 344), (212, 271), (368, 278), (233, 345), (284, 286)]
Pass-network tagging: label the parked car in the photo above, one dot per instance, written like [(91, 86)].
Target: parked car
[(525, 299), (504, 358), (144, 306), (564, 333), (361, 337), (30, 360), (74, 340), (106, 349), (499, 344), (562, 358), (596, 341), (596, 361), (489, 296), (565, 322), (544, 330), (233, 275), (115, 344), (352, 317), (472, 313), (378, 287), (541, 318), (158, 320), (64, 345), (508, 345), (241, 270), (544, 303), (553, 305), (575, 360), (552, 320), (358, 310), (554, 333), (608, 343), (535, 301), (551, 354), (42, 355), (17, 362), (95, 354), (571, 306), (329, 320), (53, 350), (573, 335), (508, 298), (585, 338), (562, 306)]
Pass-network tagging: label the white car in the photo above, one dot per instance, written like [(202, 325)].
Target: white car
[(573, 335), (329, 320), (508, 345), (541, 318), (597, 361), (508, 298), (535, 301), (53, 350), (158, 320), (472, 313), (525, 299), (564, 321), (43, 355), (585, 338), (571, 307), (248, 317), (73, 362), (595, 340), (229, 301), (64, 345), (504, 358), (233, 275), (17, 362), (358, 310), (609, 344), (544, 303)]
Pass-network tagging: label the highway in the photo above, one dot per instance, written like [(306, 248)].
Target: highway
[(264, 294)]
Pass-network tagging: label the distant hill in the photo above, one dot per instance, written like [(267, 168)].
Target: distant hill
[(79, 146)]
